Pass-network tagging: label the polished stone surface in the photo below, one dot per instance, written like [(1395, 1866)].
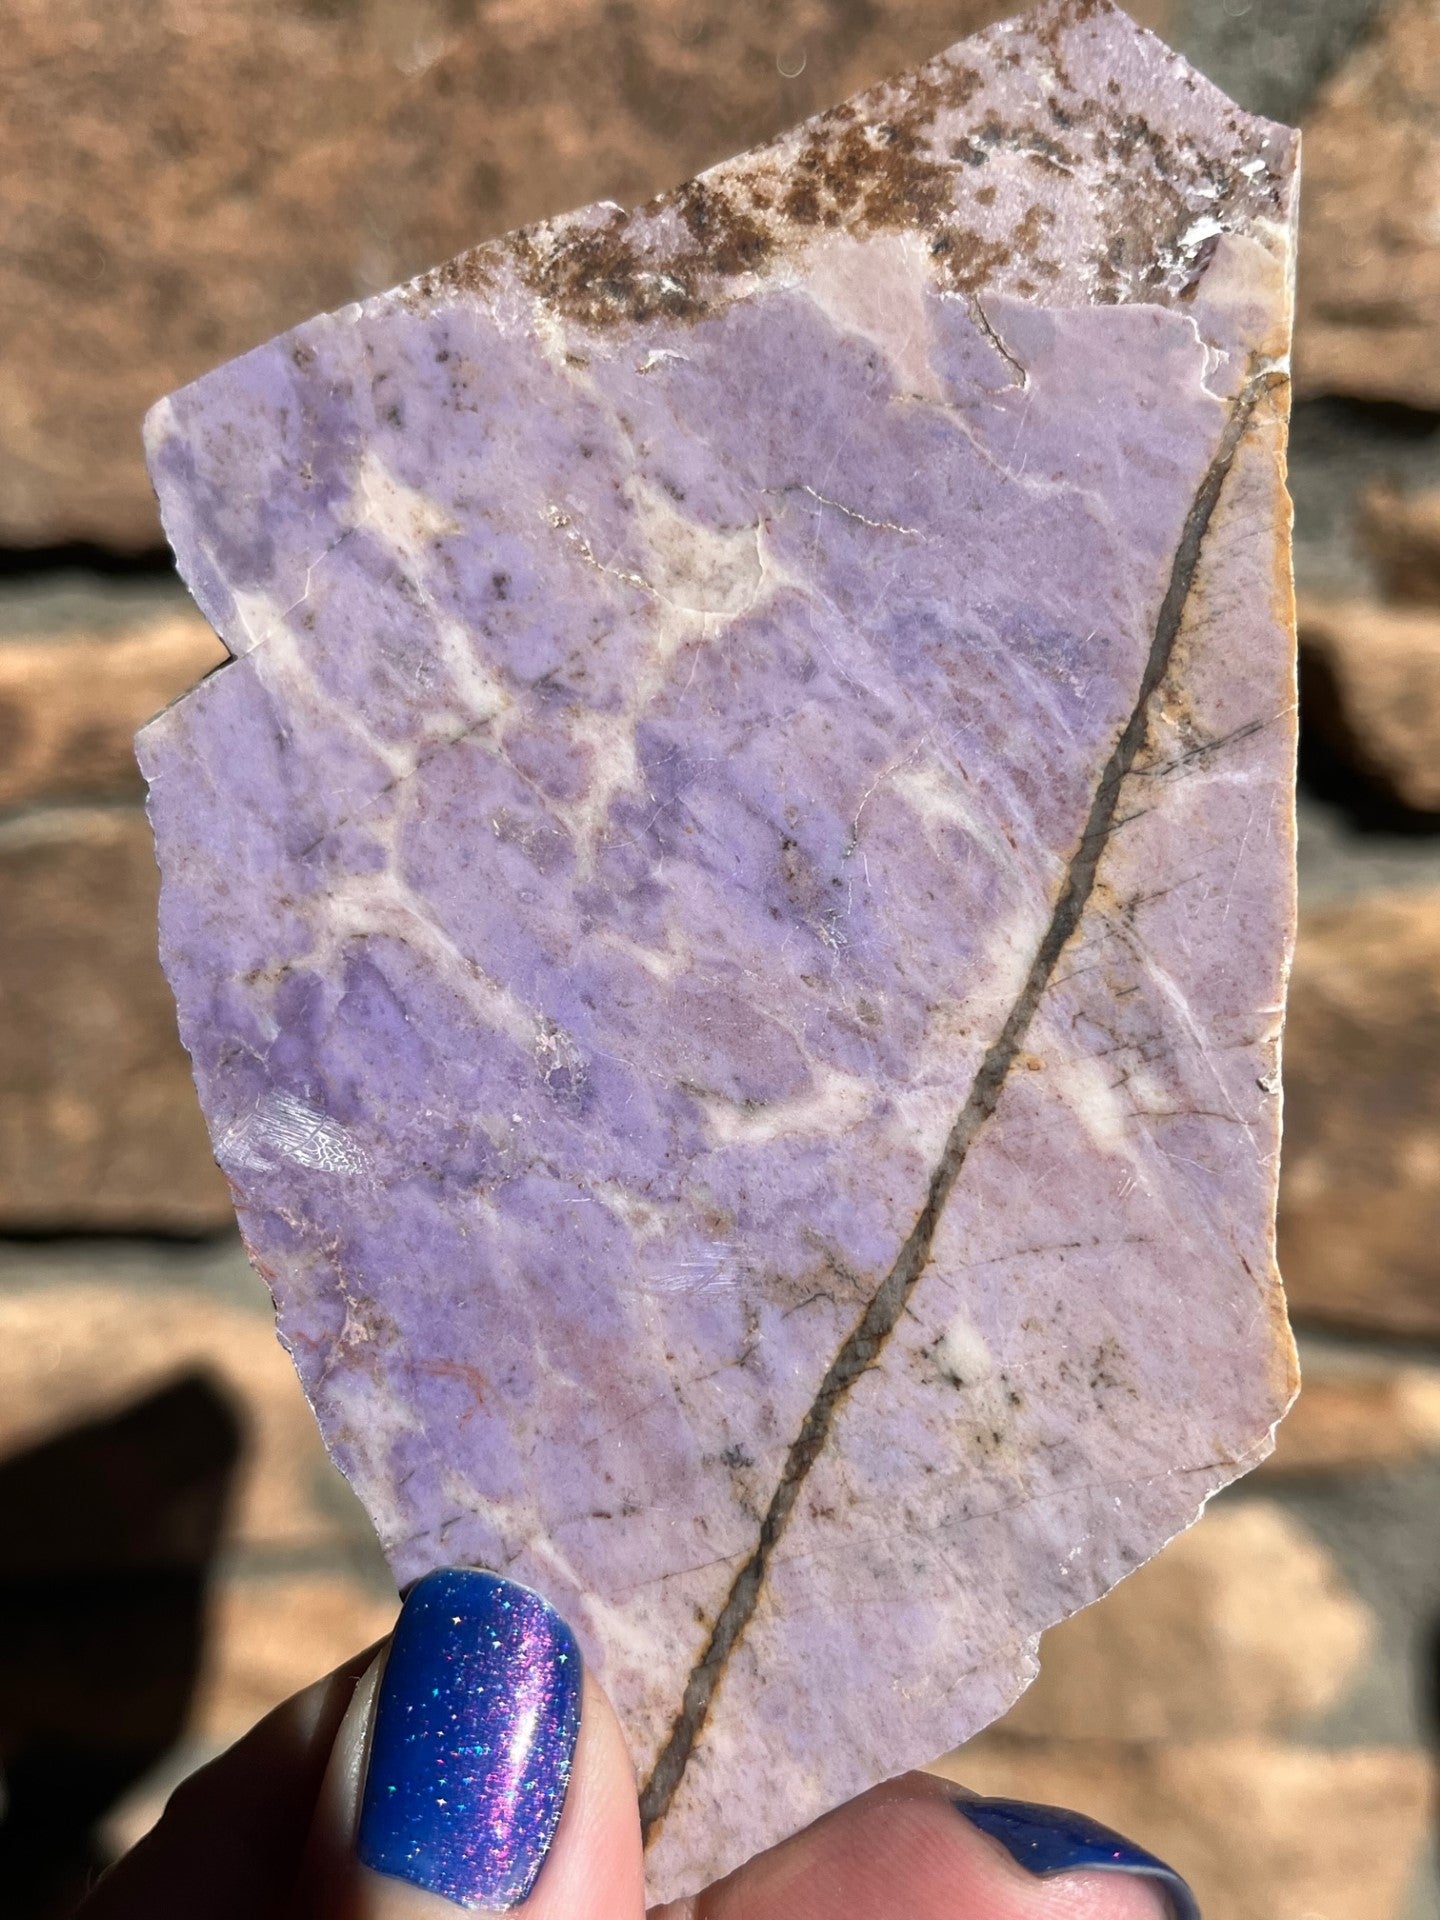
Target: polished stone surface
[(731, 907)]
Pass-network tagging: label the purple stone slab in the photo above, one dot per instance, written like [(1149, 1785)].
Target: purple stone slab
[(731, 908)]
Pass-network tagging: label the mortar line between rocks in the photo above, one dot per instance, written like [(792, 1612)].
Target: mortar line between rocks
[(867, 1339)]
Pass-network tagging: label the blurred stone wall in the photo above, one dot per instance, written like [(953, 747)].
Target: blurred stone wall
[(185, 177)]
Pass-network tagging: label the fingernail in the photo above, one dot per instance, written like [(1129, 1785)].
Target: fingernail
[(474, 1736), (1046, 1840)]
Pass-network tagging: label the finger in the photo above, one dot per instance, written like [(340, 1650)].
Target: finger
[(476, 1767), (230, 1839), (913, 1850)]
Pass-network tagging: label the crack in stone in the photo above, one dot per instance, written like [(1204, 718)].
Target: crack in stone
[(867, 1339), (988, 328)]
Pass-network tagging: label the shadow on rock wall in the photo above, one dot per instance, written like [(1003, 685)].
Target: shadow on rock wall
[(107, 1533)]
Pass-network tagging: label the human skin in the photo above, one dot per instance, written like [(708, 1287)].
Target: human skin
[(269, 1829)]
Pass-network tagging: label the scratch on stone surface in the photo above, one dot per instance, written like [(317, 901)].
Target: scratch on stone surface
[(279, 616), (1012, 472), (1193, 757), (1179, 1005), (674, 1573), (867, 1339), (285, 1126)]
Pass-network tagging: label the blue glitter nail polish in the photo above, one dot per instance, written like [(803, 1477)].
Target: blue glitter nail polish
[(475, 1732), (1046, 1840)]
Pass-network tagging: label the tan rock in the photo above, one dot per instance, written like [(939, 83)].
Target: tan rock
[(1373, 690), (1368, 319), (76, 1347), (1358, 1414), (1261, 1831), (1270, 1637), (270, 1637), (70, 705), (1359, 1232), (99, 1124), (185, 178), (1401, 534)]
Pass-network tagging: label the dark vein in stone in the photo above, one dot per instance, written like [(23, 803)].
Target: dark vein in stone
[(864, 1344)]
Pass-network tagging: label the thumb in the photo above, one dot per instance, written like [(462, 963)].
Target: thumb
[(476, 1766)]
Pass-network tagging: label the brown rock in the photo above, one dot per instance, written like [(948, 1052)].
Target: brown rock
[(1261, 1831), (1354, 1415), (184, 179), (1270, 1637), (1372, 688), (70, 705), (1359, 1233), (99, 1124), (1368, 318), (1401, 534), (105, 1330)]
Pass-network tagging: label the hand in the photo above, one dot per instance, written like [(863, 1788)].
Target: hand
[(469, 1764)]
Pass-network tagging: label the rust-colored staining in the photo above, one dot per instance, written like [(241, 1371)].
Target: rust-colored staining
[(678, 257), (671, 260), (1153, 210), (1051, 29), (600, 277), (1274, 413), (1154, 181), (472, 272), (730, 237), (967, 259), (871, 178), (1035, 221), (715, 1222), (895, 161), (469, 1377)]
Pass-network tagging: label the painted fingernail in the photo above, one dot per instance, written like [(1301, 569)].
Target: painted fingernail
[(1046, 1840), (474, 1737)]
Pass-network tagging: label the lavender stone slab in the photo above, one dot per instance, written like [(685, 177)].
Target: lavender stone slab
[(732, 904)]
